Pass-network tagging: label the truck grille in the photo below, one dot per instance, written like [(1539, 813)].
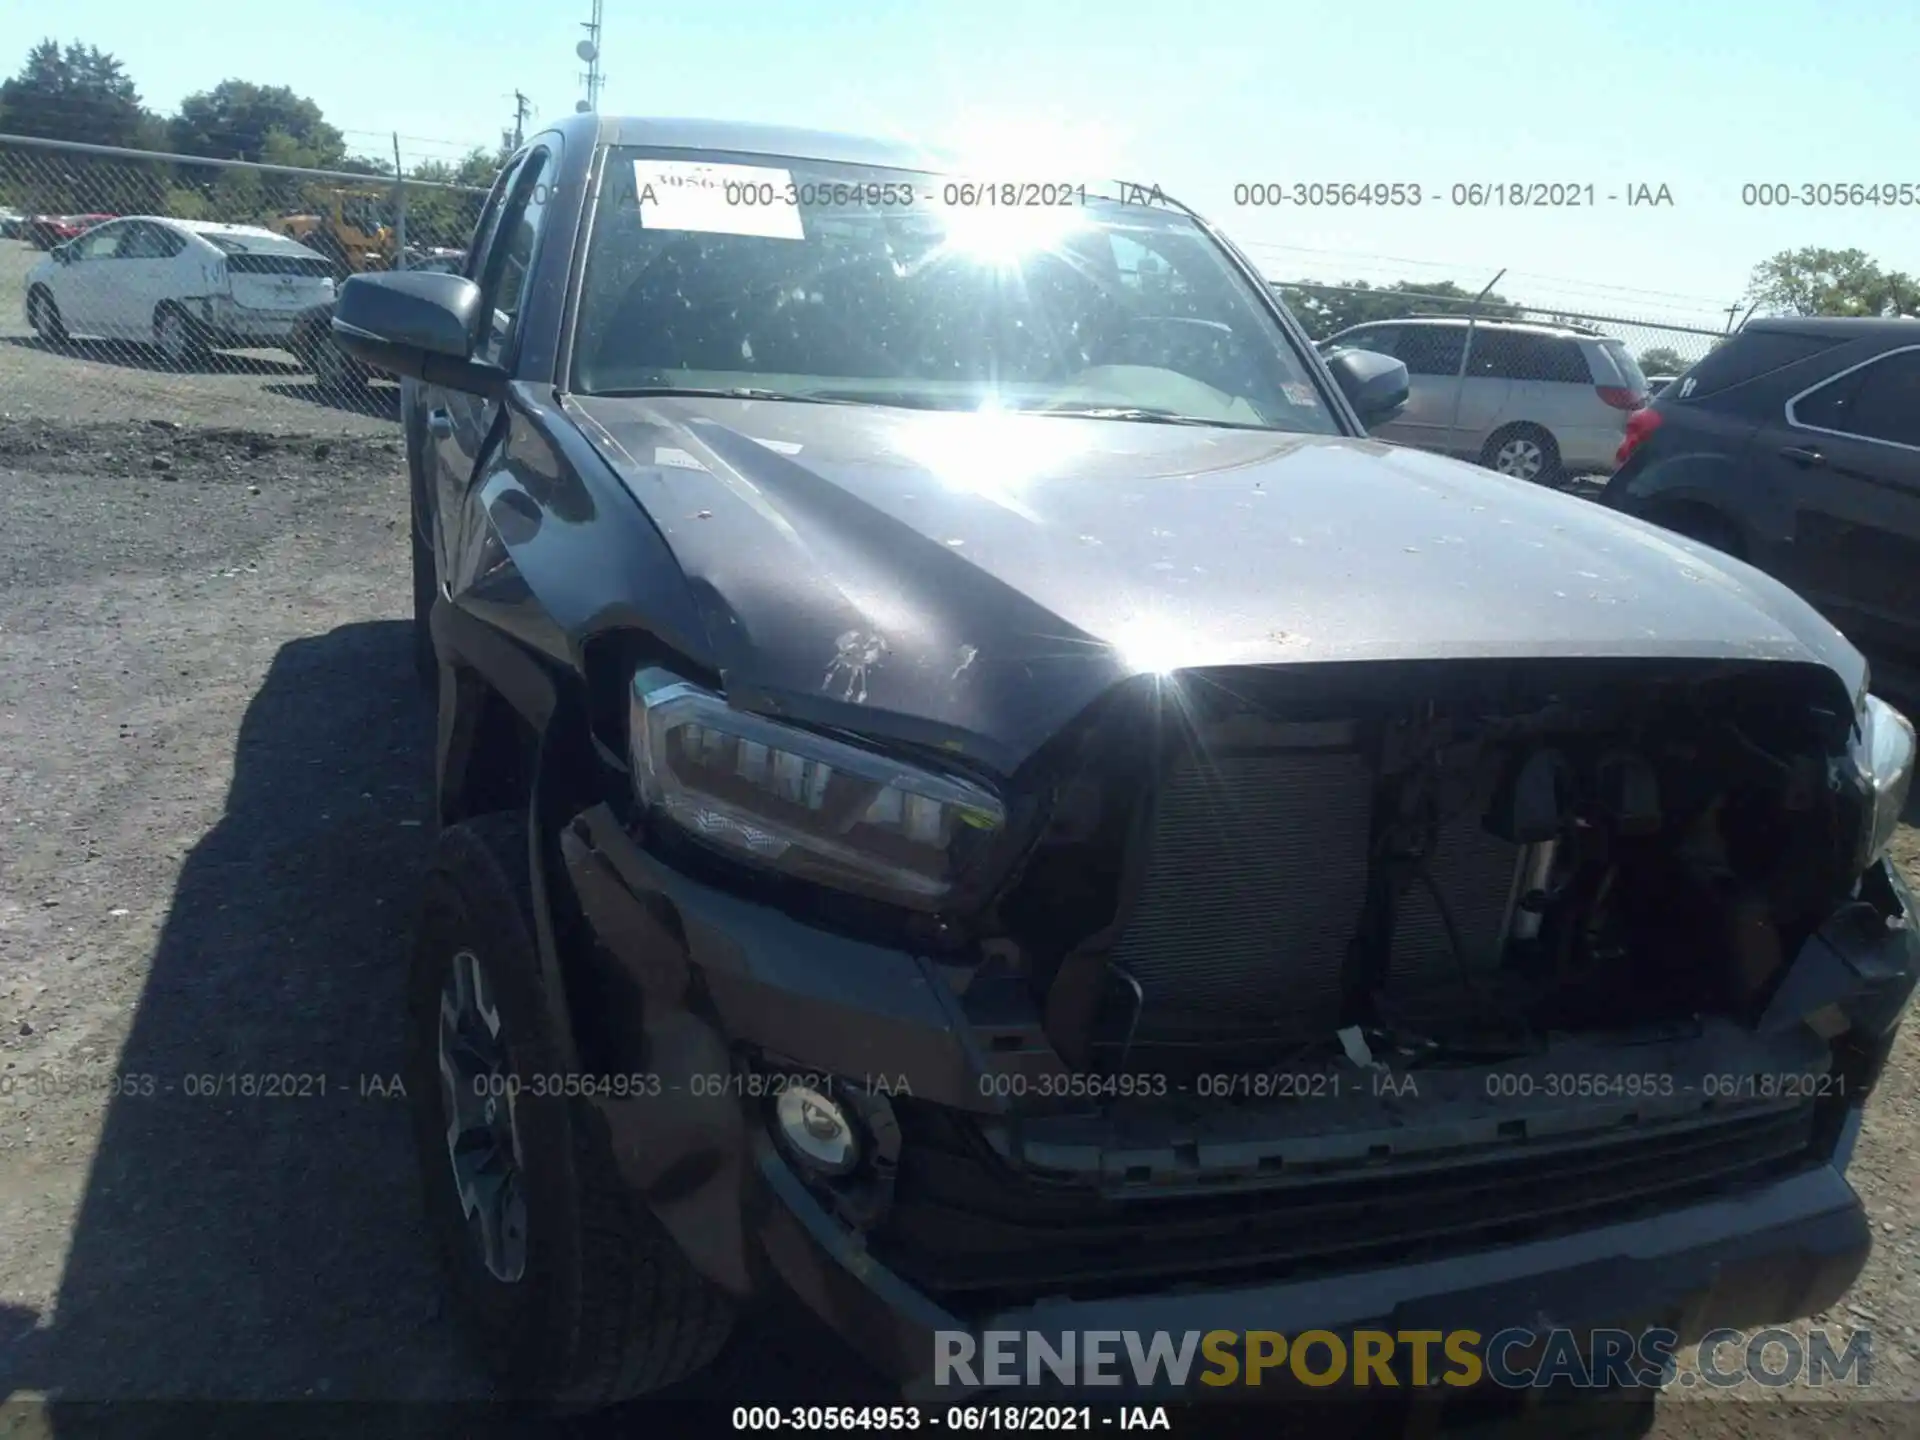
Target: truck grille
[(1254, 886), (972, 1230)]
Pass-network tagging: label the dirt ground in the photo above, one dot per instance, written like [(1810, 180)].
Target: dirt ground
[(214, 769)]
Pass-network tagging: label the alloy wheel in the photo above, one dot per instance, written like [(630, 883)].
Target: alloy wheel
[(483, 1139), (1520, 457)]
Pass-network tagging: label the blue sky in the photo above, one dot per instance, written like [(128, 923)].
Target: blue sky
[(1194, 96)]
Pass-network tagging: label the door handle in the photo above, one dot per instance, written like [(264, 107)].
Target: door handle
[(1801, 455), (440, 423)]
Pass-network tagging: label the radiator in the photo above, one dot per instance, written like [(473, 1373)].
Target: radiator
[(1254, 886)]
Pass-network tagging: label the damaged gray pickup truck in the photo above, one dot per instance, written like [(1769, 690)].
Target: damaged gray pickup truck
[(971, 790)]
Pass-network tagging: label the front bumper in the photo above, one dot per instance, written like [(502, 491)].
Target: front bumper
[(684, 974), (1788, 1251)]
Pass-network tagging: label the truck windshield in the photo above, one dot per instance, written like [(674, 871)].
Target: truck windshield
[(820, 281)]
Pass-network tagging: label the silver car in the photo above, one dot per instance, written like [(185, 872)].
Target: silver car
[(1538, 402)]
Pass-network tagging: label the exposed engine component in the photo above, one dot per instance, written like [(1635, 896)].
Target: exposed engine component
[(1475, 869)]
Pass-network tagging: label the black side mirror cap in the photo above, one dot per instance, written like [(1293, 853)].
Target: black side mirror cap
[(1375, 385), (418, 324)]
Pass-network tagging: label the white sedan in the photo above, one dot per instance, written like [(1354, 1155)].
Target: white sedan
[(184, 285)]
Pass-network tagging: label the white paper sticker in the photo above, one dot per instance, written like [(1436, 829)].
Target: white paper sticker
[(781, 447), (676, 459), (716, 199)]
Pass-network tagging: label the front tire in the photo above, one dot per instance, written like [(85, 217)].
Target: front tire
[(1525, 452), (573, 1293), (43, 318)]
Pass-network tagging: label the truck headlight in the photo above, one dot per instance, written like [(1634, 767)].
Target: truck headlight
[(1883, 752), (802, 803)]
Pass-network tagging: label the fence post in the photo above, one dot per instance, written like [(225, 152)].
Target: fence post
[(1460, 375), (399, 208)]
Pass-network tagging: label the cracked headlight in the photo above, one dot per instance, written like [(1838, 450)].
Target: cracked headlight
[(799, 802), (1883, 749)]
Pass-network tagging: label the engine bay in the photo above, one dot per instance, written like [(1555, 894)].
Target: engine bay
[(1456, 864)]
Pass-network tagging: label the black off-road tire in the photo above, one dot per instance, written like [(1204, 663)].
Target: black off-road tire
[(608, 1308)]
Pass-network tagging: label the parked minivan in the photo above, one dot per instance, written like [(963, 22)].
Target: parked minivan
[(1538, 402)]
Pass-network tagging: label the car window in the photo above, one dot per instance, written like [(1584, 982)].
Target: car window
[(100, 243), (490, 219), (845, 282), (150, 242), (1380, 339), (1519, 355), (245, 243), (1879, 401), (1623, 361), (1432, 349), (1747, 356), (510, 257)]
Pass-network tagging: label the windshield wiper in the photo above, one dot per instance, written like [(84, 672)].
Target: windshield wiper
[(1142, 414), (736, 392)]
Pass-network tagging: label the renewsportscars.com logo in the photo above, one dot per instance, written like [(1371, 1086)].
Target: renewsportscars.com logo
[(1515, 1358)]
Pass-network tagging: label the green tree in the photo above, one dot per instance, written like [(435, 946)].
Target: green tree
[(1816, 281), (238, 120), (1661, 360), (78, 93), (1326, 311), (364, 165), (437, 218)]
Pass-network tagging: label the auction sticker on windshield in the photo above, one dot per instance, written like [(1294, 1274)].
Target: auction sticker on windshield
[(714, 199)]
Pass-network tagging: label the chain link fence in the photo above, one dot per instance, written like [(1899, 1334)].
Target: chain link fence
[(1549, 403), (1662, 346), (189, 272), (190, 276)]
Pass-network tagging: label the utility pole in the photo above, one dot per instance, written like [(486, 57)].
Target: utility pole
[(522, 107), (1732, 310)]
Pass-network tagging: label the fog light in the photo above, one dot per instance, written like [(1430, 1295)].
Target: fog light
[(817, 1130)]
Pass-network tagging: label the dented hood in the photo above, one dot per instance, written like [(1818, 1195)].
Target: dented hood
[(974, 581)]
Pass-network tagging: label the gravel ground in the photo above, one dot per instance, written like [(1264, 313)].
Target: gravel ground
[(213, 776)]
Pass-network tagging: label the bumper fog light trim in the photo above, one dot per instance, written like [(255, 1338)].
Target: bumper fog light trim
[(816, 1131)]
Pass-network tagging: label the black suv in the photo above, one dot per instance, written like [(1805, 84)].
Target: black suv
[(962, 769), (1796, 446)]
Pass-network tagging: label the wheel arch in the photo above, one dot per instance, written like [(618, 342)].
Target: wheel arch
[(1698, 518), (1705, 484)]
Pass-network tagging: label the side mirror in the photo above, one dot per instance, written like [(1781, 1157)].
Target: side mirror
[(1375, 385), (412, 322), (63, 254)]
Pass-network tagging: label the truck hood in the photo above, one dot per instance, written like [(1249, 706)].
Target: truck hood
[(973, 581)]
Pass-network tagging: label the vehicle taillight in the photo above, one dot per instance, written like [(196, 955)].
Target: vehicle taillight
[(1640, 425), (1621, 398)]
